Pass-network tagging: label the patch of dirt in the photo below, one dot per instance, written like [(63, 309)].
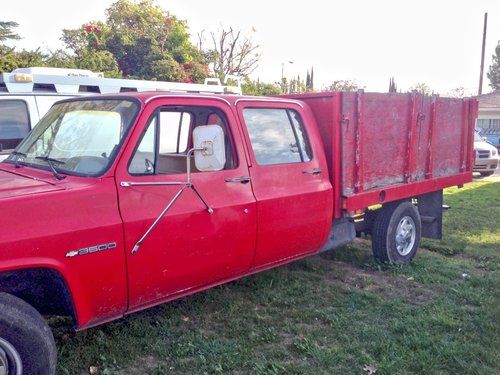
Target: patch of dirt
[(143, 366), (350, 277)]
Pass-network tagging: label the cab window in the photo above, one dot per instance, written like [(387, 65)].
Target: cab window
[(277, 136), (168, 137)]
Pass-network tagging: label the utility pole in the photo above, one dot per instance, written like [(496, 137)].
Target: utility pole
[(480, 90)]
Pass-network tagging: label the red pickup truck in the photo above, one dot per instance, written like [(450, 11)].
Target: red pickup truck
[(113, 204)]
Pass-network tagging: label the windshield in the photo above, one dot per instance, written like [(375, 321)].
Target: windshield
[(80, 137)]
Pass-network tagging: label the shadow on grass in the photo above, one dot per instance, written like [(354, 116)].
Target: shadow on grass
[(471, 224)]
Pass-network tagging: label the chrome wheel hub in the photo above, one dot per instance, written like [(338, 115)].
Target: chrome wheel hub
[(10, 360), (405, 235)]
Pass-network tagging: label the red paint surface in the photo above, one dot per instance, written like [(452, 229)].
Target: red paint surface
[(281, 215)]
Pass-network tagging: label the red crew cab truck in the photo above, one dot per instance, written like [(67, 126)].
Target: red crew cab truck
[(113, 204)]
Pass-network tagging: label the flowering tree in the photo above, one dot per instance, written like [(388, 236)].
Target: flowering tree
[(138, 40)]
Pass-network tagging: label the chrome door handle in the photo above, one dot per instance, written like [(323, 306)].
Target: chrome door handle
[(243, 180), (312, 171)]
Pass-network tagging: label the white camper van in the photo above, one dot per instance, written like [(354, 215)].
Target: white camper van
[(27, 94)]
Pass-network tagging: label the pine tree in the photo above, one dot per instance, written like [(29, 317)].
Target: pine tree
[(6, 31), (494, 71), (312, 78), (392, 85)]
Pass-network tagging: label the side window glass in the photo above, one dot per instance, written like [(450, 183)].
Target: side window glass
[(144, 159), (301, 134), (167, 139), (14, 123), (174, 132), (277, 136)]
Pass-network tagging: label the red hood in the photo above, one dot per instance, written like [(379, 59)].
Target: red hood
[(13, 184)]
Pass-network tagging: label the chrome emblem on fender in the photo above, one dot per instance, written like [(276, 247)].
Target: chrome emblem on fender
[(91, 249)]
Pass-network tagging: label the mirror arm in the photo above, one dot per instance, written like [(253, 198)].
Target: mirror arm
[(188, 161), (185, 185)]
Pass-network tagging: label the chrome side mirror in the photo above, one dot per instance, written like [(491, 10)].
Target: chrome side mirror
[(209, 148)]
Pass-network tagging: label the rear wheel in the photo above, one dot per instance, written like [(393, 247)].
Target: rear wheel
[(396, 233), (26, 342)]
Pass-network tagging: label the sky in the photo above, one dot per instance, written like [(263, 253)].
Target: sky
[(437, 42)]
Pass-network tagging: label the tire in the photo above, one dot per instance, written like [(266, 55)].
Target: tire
[(486, 174), (26, 342), (397, 218)]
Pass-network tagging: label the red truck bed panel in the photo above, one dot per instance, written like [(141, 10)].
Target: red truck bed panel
[(382, 147)]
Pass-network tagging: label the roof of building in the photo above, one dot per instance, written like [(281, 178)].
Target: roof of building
[(491, 100)]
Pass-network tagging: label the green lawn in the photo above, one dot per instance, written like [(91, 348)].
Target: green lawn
[(333, 313)]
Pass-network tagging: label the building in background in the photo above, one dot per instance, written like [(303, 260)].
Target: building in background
[(488, 119)]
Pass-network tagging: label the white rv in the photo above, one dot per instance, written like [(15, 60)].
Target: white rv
[(27, 94)]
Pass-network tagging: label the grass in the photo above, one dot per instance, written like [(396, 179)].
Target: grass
[(332, 313)]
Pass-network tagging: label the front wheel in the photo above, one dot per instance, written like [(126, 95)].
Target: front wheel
[(26, 342), (396, 233)]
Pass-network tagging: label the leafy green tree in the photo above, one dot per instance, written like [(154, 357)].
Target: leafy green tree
[(8, 59), (6, 32), (59, 59), (343, 85), (258, 88), (141, 40), (422, 88), (494, 71)]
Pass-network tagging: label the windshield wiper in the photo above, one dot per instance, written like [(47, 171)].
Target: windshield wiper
[(51, 161), (18, 154)]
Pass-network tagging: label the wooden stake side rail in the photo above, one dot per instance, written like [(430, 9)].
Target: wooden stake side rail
[(382, 147)]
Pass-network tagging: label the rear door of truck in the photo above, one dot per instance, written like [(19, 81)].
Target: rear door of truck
[(289, 178)]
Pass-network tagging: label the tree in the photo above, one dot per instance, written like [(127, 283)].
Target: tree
[(422, 88), (494, 71), (140, 40), (458, 92), (392, 85), (6, 32), (231, 53), (310, 80), (259, 88), (343, 85)]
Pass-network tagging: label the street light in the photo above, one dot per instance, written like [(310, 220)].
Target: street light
[(283, 69), (283, 83)]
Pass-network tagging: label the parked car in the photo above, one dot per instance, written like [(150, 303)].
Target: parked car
[(116, 203), (486, 156)]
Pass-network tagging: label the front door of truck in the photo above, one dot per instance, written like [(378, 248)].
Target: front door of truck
[(289, 179), (189, 247)]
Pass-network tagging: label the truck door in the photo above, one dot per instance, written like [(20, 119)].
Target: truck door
[(189, 247), (289, 180)]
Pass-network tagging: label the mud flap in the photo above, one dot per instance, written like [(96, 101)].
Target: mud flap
[(430, 206), (341, 233)]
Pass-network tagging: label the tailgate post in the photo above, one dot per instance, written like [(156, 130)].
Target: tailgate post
[(360, 112)]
